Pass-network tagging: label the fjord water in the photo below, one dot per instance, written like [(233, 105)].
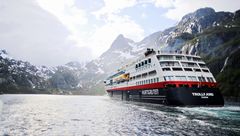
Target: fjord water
[(99, 115)]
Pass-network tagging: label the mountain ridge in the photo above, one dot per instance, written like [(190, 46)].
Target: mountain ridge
[(213, 35)]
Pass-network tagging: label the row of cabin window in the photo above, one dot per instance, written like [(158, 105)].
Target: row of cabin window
[(171, 57), (190, 78), (149, 81), (143, 68), (144, 75), (145, 62), (184, 64), (185, 69)]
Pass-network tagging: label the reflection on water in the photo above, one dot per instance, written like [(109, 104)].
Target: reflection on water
[(99, 115)]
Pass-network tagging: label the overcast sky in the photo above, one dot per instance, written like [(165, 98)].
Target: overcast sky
[(53, 32)]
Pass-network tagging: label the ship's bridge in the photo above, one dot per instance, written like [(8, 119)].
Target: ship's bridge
[(184, 67)]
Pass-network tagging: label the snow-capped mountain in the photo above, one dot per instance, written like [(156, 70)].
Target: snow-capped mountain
[(213, 35), (21, 75), (18, 76)]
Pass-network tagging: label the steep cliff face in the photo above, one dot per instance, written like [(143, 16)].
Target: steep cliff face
[(219, 46)]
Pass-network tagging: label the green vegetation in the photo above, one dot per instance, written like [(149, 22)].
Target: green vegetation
[(221, 43), (229, 82)]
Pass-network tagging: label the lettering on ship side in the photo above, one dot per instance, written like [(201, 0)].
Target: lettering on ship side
[(203, 95), (150, 92)]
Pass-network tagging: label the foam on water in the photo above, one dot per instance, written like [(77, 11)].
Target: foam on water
[(97, 115)]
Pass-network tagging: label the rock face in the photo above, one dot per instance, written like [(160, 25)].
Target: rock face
[(17, 76), (213, 35), (20, 75)]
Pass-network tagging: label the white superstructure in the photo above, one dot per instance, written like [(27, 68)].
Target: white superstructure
[(159, 66)]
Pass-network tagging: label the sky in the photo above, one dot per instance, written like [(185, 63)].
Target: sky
[(54, 32)]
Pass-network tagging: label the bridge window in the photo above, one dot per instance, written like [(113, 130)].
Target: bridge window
[(197, 70), (179, 57), (189, 64), (187, 69), (163, 64), (166, 69), (192, 78), (196, 59), (138, 76), (151, 73), (177, 69), (205, 70), (189, 58), (181, 78), (144, 75), (201, 79), (202, 65), (165, 57), (168, 78)]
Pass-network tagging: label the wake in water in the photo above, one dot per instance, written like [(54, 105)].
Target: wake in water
[(96, 115), (225, 118)]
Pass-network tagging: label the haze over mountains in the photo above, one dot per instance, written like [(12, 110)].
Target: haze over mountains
[(215, 36), (28, 32)]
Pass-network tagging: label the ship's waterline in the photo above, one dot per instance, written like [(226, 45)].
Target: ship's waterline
[(99, 115)]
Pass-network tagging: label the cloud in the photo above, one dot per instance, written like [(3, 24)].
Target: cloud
[(164, 3), (53, 32), (30, 33), (143, 15), (113, 6), (115, 25), (66, 11), (178, 8), (95, 34)]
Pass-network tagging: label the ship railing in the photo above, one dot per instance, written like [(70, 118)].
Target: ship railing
[(176, 52)]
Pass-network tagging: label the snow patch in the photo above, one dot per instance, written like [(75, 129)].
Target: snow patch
[(225, 64), (4, 54), (79, 85), (99, 71), (126, 55)]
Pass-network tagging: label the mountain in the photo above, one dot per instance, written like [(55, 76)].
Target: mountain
[(18, 76), (213, 35), (21, 76)]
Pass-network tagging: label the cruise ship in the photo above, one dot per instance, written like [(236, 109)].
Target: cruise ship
[(171, 78)]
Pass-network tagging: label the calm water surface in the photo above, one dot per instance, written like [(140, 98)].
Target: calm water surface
[(98, 115)]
